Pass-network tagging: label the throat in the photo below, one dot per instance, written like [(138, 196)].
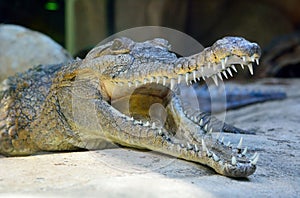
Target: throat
[(145, 103), (137, 106)]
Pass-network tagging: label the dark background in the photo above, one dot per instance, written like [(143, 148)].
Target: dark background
[(205, 20), (35, 15), (262, 21)]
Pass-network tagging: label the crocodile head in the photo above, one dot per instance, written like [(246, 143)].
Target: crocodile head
[(135, 76), (132, 64)]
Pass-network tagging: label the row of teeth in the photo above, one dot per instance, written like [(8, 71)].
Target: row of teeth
[(192, 76), (188, 146), (253, 159)]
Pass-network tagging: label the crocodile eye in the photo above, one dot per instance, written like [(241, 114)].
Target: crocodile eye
[(121, 46), (117, 45)]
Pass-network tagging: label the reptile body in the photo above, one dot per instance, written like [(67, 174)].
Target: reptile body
[(125, 93)]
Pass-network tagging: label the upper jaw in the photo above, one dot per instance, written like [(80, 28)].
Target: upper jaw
[(216, 71), (214, 62)]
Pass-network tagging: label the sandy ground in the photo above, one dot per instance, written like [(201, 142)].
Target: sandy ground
[(131, 173)]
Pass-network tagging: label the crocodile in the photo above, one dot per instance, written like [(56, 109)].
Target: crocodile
[(125, 93)]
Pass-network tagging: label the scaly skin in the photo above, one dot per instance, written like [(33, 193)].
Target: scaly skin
[(126, 93)]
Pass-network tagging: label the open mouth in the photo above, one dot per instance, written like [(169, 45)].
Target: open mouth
[(149, 105), (140, 100), (146, 104), (145, 91)]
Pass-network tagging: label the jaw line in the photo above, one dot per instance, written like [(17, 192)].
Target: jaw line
[(215, 71)]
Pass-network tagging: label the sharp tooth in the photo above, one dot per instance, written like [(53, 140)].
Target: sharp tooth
[(244, 58), (220, 76), (242, 66), (146, 124), (172, 83), (215, 79), (252, 59), (233, 67), (137, 122), (157, 79), (189, 146), (164, 80), (254, 156), (195, 119), (203, 77), (254, 161), (204, 148), (228, 143), (222, 140), (153, 125), (208, 153), (198, 79), (187, 78), (201, 122), (224, 74), (223, 63), (179, 78), (160, 132), (194, 75), (257, 61), (226, 59), (196, 148), (245, 151), (215, 157), (205, 127), (210, 130), (229, 71), (233, 160), (239, 146), (250, 68)]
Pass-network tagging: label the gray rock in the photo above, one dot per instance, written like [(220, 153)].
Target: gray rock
[(21, 48)]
